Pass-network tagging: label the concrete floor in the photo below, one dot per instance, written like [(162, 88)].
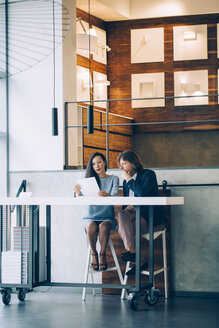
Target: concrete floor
[(62, 307)]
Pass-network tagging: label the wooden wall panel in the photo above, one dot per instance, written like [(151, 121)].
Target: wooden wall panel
[(97, 118), (123, 129), (119, 142), (120, 137), (120, 70), (181, 149), (95, 140), (98, 140), (93, 65), (93, 19), (100, 118), (112, 156)]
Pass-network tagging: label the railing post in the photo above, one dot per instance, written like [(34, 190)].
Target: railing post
[(65, 136), (48, 243), (107, 132)]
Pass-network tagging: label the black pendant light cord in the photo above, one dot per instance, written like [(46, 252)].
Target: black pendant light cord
[(90, 109), (89, 50), (54, 109), (54, 55)]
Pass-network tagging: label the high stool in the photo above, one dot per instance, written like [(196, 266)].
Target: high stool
[(89, 270), (164, 267)]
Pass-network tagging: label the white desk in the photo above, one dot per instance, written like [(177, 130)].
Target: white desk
[(73, 201), (80, 201)]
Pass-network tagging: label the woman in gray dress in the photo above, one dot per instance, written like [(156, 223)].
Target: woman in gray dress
[(100, 219)]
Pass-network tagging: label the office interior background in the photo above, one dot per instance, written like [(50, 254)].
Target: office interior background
[(144, 51)]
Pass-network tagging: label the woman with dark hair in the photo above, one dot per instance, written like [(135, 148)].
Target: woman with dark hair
[(138, 182), (100, 219)]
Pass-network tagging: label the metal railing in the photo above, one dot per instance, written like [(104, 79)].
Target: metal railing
[(107, 125), (165, 185)]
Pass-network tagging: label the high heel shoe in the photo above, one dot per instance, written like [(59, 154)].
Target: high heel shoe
[(103, 263), (95, 262)]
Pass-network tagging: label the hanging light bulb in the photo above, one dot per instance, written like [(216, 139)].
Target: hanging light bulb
[(91, 45), (90, 119), (54, 121)]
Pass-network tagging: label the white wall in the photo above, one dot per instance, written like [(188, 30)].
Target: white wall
[(161, 8), (32, 146), (122, 7), (31, 97), (69, 244)]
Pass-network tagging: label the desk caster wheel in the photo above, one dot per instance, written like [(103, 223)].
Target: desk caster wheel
[(151, 297), (6, 296), (21, 294), (134, 303)]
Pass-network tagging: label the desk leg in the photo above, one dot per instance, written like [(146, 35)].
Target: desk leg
[(30, 270), (151, 245), (136, 291), (48, 242), (151, 296), (1, 235), (138, 249)]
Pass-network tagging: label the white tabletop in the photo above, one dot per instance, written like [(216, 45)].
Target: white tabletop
[(92, 201)]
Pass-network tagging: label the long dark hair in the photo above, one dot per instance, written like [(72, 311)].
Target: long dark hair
[(132, 158), (90, 171)]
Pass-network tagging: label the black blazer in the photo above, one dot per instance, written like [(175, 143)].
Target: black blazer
[(146, 185)]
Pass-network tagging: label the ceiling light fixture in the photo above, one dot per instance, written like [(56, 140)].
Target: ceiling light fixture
[(197, 87), (88, 39), (183, 87), (102, 82), (83, 40), (190, 35)]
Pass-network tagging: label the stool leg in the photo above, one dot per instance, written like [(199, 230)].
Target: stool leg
[(92, 280), (124, 292), (116, 261), (165, 263), (86, 275), (117, 264)]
